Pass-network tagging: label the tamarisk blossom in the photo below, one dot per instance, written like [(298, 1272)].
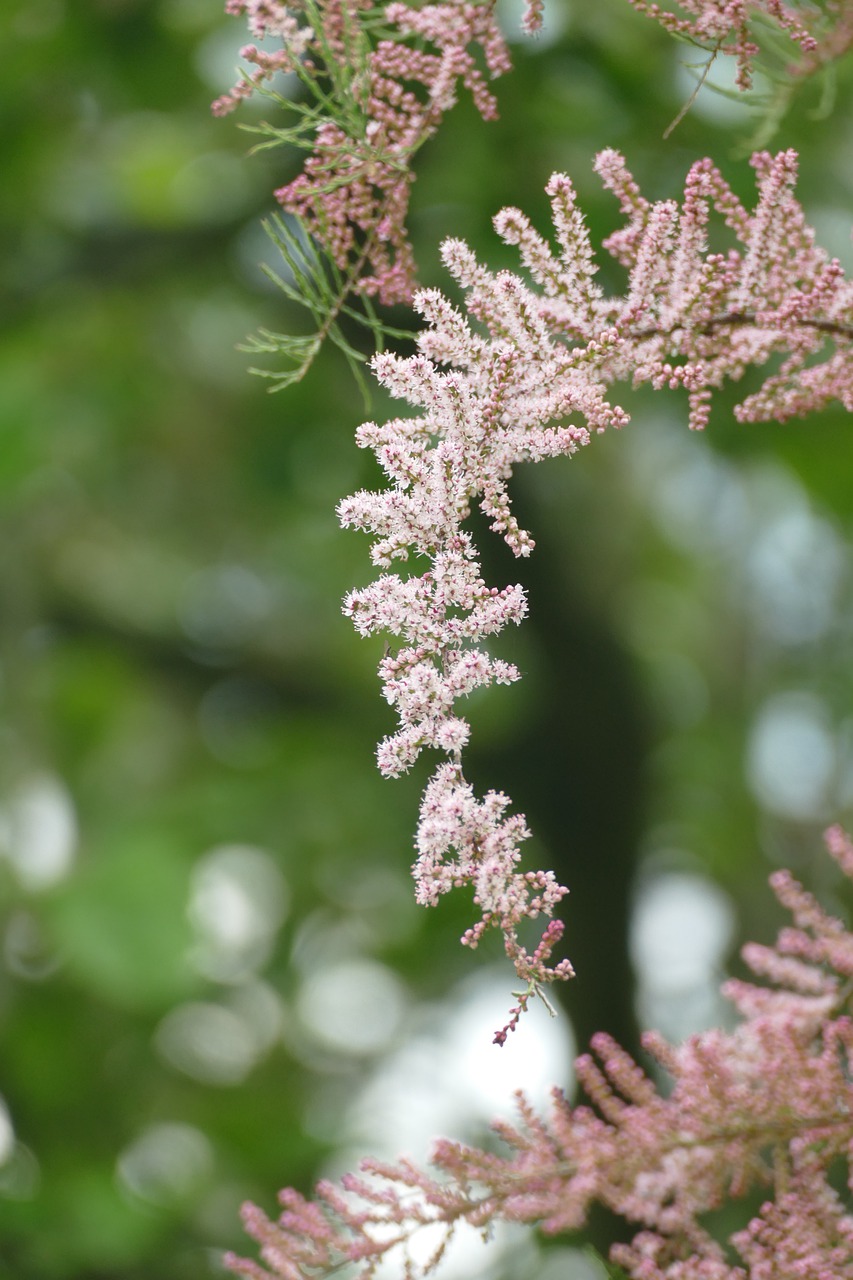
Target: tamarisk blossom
[(463, 448), (727, 26), (265, 18), (832, 42), (695, 317), (762, 1111), (494, 407), (523, 376), (353, 191)]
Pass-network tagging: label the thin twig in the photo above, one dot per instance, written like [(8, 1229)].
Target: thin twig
[(695, 94)]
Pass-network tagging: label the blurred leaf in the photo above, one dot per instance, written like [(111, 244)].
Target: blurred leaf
[(122, 925)]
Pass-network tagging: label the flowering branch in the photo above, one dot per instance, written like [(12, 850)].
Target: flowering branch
[(371, 94), (376, 95), (501, 387), (767, 1106), (821, 31), (522, 372)]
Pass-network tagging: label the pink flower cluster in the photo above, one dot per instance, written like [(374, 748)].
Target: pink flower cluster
[(461, 449), (501, 386), (764, 1109), (694, 317), (353, 191), (524, 371), (728, 26), (264, 18)]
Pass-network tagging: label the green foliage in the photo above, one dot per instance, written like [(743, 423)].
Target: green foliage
[(314, 283)]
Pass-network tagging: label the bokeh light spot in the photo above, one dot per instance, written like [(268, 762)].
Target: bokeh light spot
[(40, 832), (354, 1006), (791, 757), (681, 927), (208, 1042), (238, 900), (166, 1163)]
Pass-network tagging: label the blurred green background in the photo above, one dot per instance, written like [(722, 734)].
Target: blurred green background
[(214, 980)]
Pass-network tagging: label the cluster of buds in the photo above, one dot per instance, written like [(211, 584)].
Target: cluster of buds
[(730, 27), (353, 192)]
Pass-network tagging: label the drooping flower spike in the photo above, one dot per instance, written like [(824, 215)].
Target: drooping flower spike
[(525, 372)]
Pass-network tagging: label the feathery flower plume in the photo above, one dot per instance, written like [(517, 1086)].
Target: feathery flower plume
[(766, 1108), (523, 376)]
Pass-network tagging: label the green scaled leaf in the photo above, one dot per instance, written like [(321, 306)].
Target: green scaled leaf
[(310, 281)]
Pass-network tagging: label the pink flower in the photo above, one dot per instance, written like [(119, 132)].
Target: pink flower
[(764, 1111), (728, 26), (353, 191), (525, 373)]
